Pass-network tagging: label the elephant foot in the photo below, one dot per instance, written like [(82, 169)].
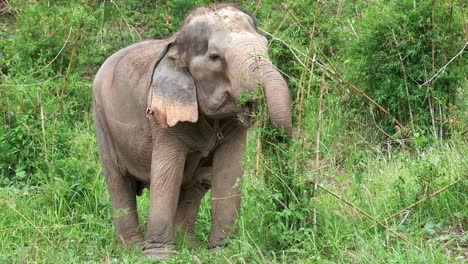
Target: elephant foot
[(188, 237), (134, 240), (192, 241), (217, 248), (158, 251)]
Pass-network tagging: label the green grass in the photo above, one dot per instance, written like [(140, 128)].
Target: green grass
[(56, 222), (54, 205)]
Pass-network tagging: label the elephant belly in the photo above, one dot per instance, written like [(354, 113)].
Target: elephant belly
[(133, 143), (133, 146)]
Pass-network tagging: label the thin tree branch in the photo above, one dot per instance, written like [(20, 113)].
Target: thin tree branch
[(421, 201), (441, 70), (15, 228), (31, 223), (30, 84), (464, 132), (401, 237)]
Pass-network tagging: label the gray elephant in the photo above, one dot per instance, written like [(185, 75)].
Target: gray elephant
[(169, 117)]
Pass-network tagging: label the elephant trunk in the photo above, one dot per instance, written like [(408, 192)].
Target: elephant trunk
[(250, 66), (277, 98)]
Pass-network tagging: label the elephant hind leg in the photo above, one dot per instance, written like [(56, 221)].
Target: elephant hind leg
[(122, 189), (189, 203)]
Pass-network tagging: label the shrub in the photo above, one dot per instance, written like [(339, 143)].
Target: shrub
[(398, 49)]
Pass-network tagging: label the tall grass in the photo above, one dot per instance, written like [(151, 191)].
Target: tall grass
[(54, 205)]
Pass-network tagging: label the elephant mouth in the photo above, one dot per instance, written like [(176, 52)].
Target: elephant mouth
[(248, 107), (228, 107), (245, 114)]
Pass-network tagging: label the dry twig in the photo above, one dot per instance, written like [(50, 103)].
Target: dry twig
[(197, 260), (400, 236), (30, 84), (15, 228), (422, 200), (31, 223)]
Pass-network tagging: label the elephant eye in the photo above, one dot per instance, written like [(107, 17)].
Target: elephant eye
[(214, 56)]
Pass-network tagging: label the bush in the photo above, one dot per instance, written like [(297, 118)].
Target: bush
[(395, 57), (50, 51)]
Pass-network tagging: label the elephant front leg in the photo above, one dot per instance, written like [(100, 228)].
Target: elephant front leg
[(167, 167), (225, 187), (189, 203)]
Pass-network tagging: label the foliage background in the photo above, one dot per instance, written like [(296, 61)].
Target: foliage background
[(407, 56)]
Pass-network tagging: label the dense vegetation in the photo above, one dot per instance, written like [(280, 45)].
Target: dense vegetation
[(380, 114)]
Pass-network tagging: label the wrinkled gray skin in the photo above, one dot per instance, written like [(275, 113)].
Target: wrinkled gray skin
[(167, 119)]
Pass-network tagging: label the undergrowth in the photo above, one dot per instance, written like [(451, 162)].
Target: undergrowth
[(379, 85)]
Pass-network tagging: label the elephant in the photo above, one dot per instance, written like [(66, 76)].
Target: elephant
[(169, 116)]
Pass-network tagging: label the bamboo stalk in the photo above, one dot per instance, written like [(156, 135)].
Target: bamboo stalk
[(309, 85), (464, 132), (390, 230), (431, 111), (442, 69), (317, 144), (15, 228), (295, 18), (334, 73), (431, 89), (70, 63), (197, 260), (4, 107), (465, 24), (441, 122), (357, 89), (259, 3), (44, 141), (257, 158), (405, 78), (421, 201), (301, 93), (31, 223)]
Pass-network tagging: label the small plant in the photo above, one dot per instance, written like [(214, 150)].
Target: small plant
[(54, 205)]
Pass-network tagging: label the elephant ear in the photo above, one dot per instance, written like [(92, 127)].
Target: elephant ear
[(172, 94)]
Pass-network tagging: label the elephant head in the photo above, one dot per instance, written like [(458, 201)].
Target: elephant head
[(214, 59)]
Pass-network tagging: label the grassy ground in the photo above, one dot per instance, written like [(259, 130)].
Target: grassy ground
[(54, 206), (56, 222)]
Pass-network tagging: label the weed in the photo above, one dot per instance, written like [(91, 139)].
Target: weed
[(391, 180)]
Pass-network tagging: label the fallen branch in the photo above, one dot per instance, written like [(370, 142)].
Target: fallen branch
[(406, 240), (31, 223), (15, 228), (30, 84), (422, 200), (464, 132)]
